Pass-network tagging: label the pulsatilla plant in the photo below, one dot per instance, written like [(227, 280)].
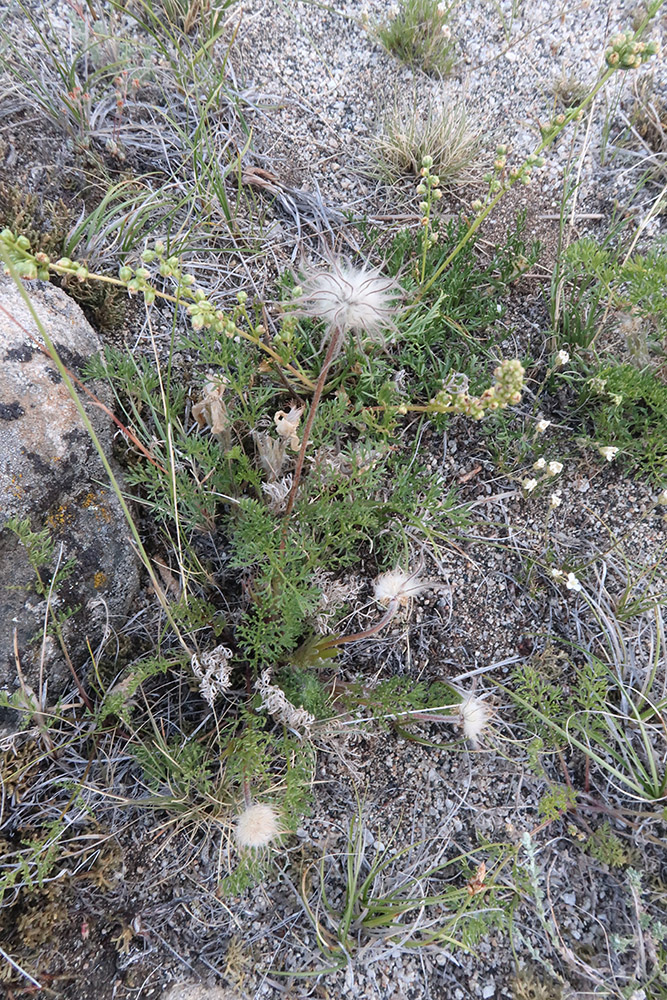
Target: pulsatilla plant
[(348, 299)]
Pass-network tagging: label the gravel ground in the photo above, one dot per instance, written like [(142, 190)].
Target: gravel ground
[(336, 83)]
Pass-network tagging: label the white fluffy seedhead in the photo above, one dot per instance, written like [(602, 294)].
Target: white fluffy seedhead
[(398, 587), (360, 299), (475, 716), (257, 826)]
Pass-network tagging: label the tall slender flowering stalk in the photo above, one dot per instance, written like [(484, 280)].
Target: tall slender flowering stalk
[(362, 301), (429, 189)]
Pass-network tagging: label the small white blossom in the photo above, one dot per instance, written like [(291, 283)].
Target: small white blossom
[(542, 425), (443, 9), (539, 464), (608, 452), (572, 583), (446, 31), (557, 574), (475, 715), (529, 485), (562, 358), (287, 425), (555, 500), (257, 826), (553, 468)]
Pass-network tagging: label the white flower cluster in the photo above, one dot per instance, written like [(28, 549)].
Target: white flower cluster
[(277, 705), (608, 452), (549, 469), (213, 670)]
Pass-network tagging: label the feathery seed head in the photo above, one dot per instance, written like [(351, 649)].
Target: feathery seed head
[(257, 826), (398, 587), (475, 716), (360, 299)]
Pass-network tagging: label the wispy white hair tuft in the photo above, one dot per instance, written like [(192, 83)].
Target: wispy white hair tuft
[(360, 299), (398, 587), (475, 716), (257, 826)]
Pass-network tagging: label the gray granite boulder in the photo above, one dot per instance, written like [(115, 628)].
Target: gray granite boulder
[(51, 474)]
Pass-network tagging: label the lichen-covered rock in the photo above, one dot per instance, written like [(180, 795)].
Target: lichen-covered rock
[(51, 474)]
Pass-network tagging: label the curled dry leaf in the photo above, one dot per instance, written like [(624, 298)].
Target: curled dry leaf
[(211, 411), (270, 454)]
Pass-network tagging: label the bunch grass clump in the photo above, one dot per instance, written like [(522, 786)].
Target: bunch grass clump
[(422, 127), (418, 34)]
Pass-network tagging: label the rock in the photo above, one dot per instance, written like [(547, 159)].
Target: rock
[(185, 991), (51, 474)]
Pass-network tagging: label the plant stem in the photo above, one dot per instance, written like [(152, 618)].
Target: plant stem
[(178, 301), (332, 350), (546, 142), (339, 640)]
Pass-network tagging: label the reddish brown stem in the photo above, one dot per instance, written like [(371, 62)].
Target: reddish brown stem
[(332, 350), (355, 636)]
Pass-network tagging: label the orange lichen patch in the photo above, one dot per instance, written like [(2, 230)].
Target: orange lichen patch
[(99, 579), (93, 501), (59, 517), (14, 487)]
